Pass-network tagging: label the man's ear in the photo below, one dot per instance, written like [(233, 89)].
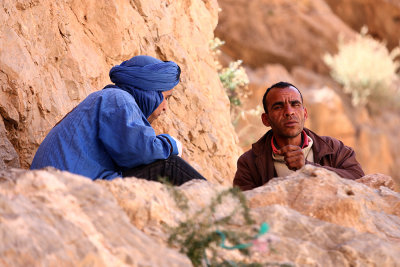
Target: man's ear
[(265, 119), (305, 113)]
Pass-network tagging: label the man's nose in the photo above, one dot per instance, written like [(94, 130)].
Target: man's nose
[(289, 110)]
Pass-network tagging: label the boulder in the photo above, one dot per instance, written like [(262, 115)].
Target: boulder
[(315, 218), (53, 218), (322, 194)]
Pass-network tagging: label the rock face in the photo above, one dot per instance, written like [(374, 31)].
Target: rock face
[(290, 33), (8, 156), (333, 199), (316, 218), (382, 17), (58, 219), (53, 54)]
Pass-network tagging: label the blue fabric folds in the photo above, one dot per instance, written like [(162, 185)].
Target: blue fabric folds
[(145, 78), (146, 73), (108, 132)]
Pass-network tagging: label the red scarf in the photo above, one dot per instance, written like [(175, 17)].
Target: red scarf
[(305, 142)]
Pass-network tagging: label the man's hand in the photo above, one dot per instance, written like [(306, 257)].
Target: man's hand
[(180, 148), (293, 155), (178, 145)]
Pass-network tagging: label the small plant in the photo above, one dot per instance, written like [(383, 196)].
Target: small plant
[(233, 78), (235, 81), (215, 44), (205, 233), (197, 234), (365, 68)]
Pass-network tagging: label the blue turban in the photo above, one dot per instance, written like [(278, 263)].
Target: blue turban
[(145, 78)]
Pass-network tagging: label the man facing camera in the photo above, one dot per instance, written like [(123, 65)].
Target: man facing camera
[(288, 146)]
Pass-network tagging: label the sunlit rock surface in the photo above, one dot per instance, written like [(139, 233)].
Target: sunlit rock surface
[(53, 218), (53, 54), (316, 219)]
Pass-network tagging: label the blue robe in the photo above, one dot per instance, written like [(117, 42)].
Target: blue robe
[(108, 132)]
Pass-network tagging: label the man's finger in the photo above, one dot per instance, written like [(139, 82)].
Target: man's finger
[(295, 160)]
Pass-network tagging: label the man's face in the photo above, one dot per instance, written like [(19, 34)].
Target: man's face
[(161, 108), (286, 113)]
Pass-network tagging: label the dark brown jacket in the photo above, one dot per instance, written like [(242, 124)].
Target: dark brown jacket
[(256, 167)]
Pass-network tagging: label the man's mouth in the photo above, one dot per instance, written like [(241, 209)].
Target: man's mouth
[(291, 123)]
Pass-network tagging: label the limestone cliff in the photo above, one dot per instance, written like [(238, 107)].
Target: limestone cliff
[(53, 54)]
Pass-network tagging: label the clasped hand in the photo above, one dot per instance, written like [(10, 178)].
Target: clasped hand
[(293, 155)]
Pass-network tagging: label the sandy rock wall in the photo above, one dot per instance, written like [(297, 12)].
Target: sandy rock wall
[(53, 54), (382, 17), (316, 218), (287, 32), (61, 219)]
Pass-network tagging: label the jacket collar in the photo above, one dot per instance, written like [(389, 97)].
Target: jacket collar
[(319, 145), (263, 151)]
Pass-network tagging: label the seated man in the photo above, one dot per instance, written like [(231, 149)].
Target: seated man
[(288, 146), (109, 135)]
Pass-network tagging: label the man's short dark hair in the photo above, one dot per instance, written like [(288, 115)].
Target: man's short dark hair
[(278, 85)]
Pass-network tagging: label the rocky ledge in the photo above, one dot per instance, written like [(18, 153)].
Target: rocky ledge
[(54, 218)]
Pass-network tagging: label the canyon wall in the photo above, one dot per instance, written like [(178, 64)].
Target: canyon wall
[(382, 17), (53, 54)]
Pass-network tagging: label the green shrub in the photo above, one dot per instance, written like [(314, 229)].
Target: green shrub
[(202, 235), (198, 233), (365, 68), (233, 78)]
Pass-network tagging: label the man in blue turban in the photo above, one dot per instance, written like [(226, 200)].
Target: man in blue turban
[(109, 135)]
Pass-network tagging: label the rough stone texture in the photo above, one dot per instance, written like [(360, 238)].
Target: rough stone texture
[(287, 32), (8, 156), (150, 205), (313, 215), (53, 218), (382, 17), (307, 241), (334, 199), (377, 180), (53, 54)]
